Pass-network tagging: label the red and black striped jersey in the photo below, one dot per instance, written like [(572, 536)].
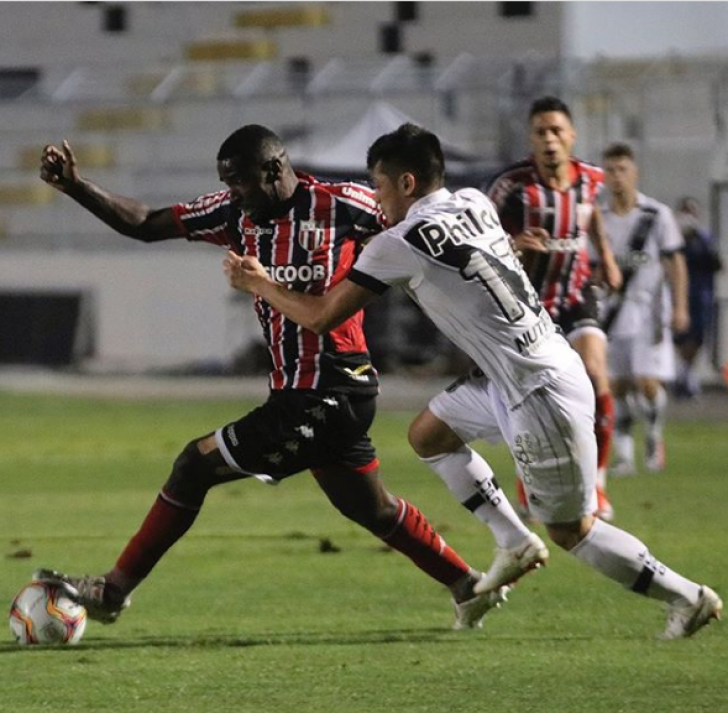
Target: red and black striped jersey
[(310, 246), (524, 201)]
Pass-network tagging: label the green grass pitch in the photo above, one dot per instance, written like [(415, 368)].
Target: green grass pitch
[(246, 613)]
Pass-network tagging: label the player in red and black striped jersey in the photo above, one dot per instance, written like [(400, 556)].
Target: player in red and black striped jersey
[(525, 201), (307, 234), (309, 242), (548, 204)]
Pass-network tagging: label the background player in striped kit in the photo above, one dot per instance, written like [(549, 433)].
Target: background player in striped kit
[(643, 317), (323, 386), (547, 202), (551, 197), (450, 253)]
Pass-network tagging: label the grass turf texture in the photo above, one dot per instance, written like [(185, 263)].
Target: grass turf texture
[(247, 614)]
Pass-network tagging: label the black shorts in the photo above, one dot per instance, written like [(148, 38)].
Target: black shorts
[(571, 317), (297, 430)]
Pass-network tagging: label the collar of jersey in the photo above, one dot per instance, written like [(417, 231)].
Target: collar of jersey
[(573, 171), (419, 205), (282, 209), (642, 202)]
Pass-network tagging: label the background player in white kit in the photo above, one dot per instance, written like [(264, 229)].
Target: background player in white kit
[(641, 318), (453, 257)]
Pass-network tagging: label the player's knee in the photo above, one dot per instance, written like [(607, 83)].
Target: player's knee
[(647, 387), (430, 437), (193, 474), (418, 438), (569, 534)]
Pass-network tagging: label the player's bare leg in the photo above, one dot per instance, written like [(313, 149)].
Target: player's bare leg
[(361, 497), (197, 468), (200, 466)]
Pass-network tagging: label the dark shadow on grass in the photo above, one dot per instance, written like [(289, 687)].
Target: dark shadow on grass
[(358, 638), (304, 638)]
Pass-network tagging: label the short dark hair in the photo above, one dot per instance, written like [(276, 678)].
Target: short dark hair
[(618, 150), (410, 148), (548, 103), (251, 145)]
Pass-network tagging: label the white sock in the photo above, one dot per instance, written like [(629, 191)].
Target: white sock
[(623, 442), (653, 412), (602, 478), (470, 479), (623, 558)]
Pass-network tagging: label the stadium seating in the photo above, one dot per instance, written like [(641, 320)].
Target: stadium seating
[(122, 118), (223, 50), (92, 156), (303, 15), (34, 193)]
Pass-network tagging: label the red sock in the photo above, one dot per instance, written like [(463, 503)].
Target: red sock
[(603, 428), (164, 524), (521, 493), (417, 539)]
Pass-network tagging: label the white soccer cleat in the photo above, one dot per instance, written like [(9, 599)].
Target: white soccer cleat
[(509, 565), (469, 614), (102, 601), (685, 619), (623, 469), (624, 463)]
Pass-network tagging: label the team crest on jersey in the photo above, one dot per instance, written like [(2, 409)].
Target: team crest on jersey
[(311, 234)]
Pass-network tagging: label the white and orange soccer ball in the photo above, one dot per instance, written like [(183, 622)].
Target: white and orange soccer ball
[(43, 613)]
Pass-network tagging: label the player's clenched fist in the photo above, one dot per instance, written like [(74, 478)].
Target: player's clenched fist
[(532, 239), (58, 167), (244, 273)]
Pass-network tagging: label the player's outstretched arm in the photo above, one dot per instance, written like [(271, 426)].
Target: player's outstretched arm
[(317, 313), (59, 168)]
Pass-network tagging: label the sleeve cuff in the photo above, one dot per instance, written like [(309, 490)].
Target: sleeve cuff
[(367, 281)]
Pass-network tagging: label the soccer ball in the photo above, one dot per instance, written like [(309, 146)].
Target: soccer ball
[(43, 613)]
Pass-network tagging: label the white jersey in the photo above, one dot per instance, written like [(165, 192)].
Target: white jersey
[(647, 297), (454, 259)]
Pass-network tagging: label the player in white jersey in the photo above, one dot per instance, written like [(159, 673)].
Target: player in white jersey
[(452, 255), (640, 319)]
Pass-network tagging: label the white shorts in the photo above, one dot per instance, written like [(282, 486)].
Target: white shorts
[(550, 436), (630, 357)]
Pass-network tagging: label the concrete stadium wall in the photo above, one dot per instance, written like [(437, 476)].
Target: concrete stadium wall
[(150, 308)]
